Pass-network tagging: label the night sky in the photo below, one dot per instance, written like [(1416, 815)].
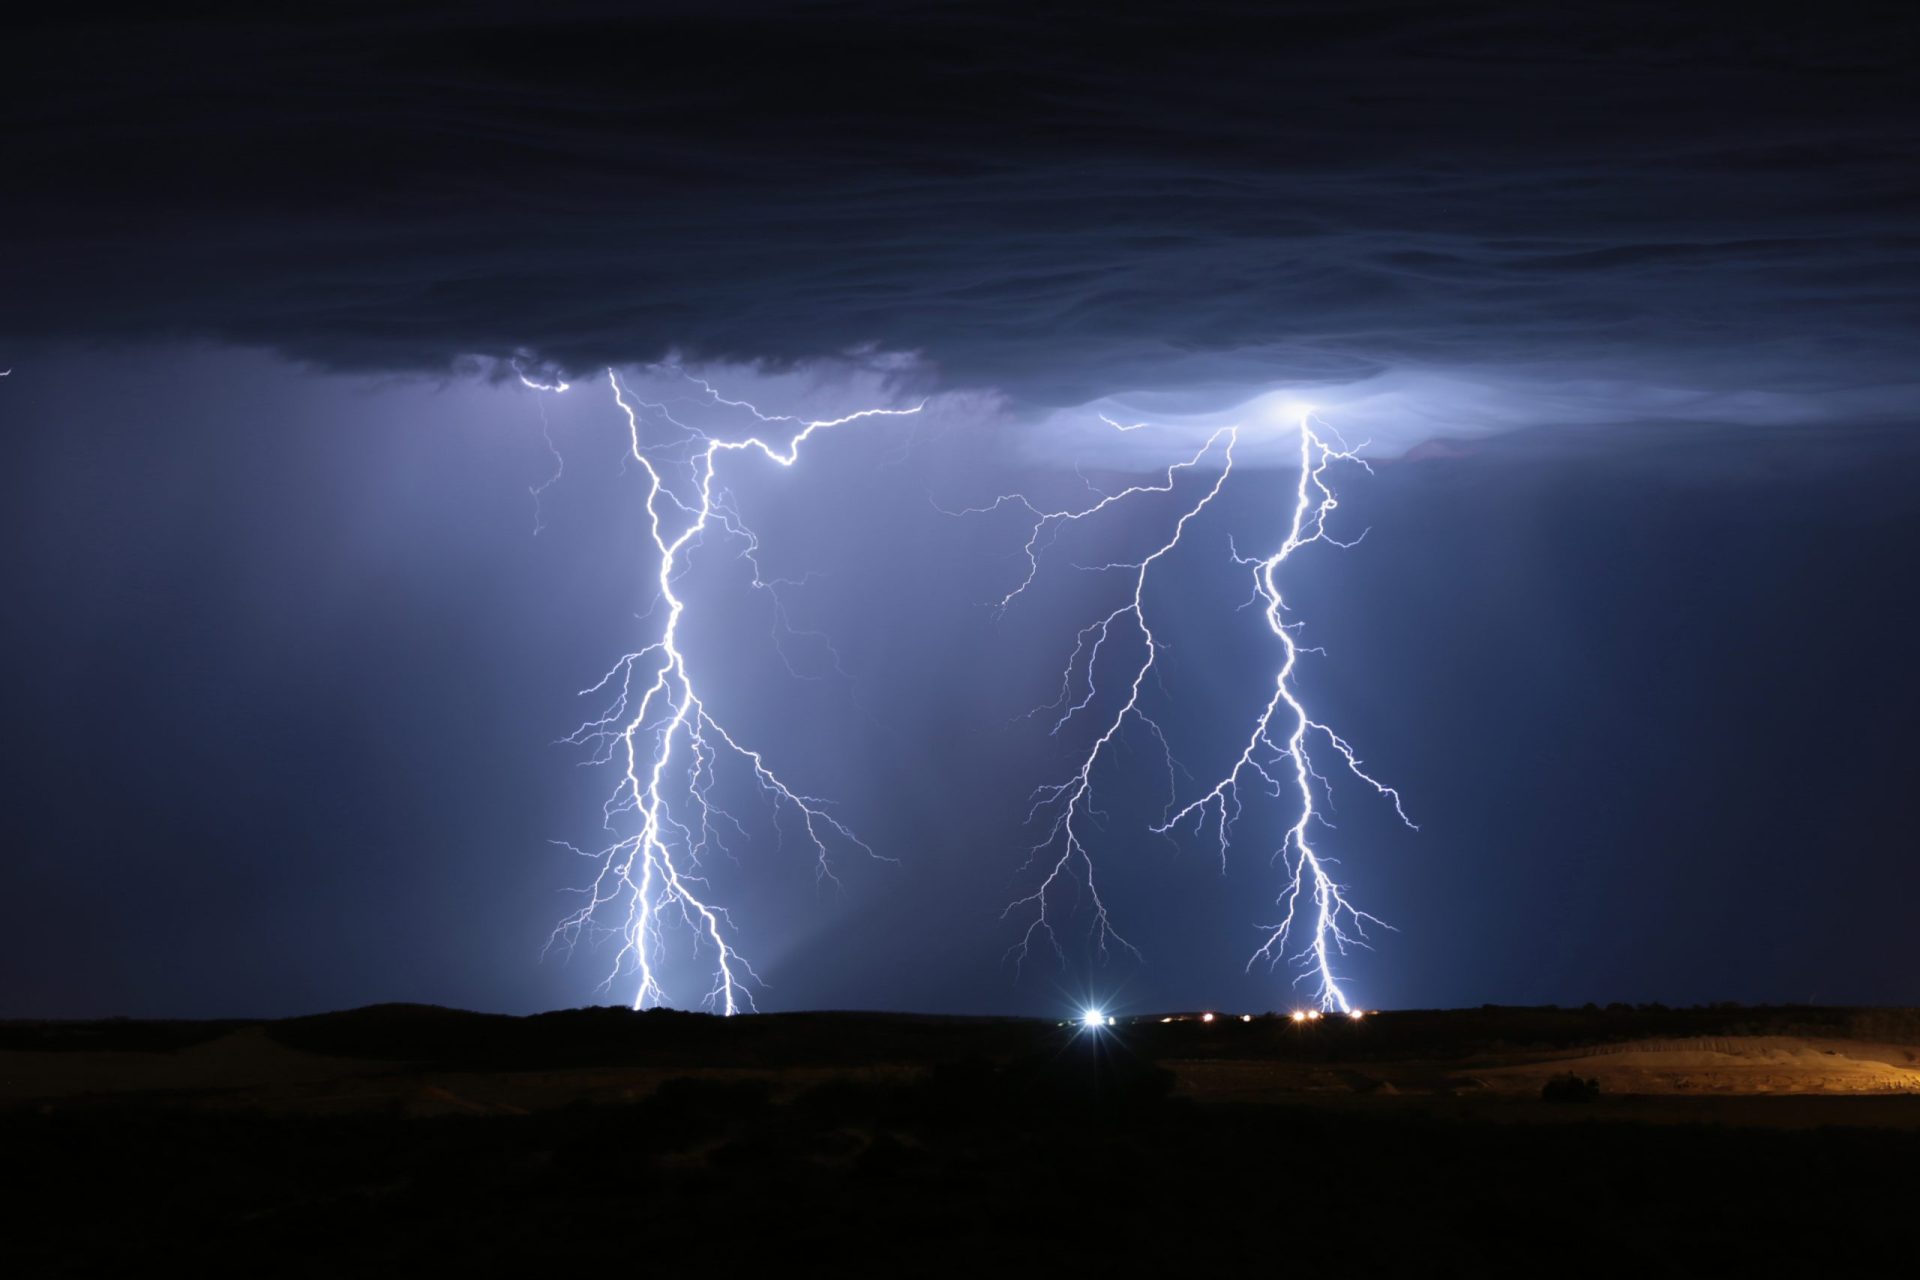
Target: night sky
[(1622, 298)]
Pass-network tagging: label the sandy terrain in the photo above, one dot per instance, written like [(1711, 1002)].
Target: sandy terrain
[(1769, 1081), (249, 1069), (244, 1058), (1725, 1064)]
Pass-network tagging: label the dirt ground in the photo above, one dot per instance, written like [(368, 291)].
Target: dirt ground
[(254, 1067), (423, 1141), (1791, 1081)]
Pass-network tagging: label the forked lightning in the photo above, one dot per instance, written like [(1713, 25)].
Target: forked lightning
[(658, 732), (1278, 753)]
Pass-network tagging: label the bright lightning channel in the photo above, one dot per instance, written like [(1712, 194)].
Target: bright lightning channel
[(1283, 732), (1063, 851), (658, 731)]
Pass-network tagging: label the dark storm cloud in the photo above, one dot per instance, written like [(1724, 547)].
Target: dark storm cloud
[(1063, 206)]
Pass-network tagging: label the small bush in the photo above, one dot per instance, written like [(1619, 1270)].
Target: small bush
[(1570, 1088)]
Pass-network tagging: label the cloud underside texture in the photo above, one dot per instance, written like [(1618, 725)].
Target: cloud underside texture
[(1058, 208)]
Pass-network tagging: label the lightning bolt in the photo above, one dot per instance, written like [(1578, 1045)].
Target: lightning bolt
[(1066, 807), (657, 730), (1283, 733)]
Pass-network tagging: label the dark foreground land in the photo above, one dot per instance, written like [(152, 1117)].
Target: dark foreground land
[(400, 1138)]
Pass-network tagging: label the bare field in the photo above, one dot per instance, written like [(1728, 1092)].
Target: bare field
[(390, 1067), (422, 1140)]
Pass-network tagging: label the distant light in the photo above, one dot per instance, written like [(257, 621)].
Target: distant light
[(1357, 1014), (1206, 1017), (1299, 1015), (1313, 1015), (1246, 1017), (1109, 1019), (1166, 1020), (1094, 1019)]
